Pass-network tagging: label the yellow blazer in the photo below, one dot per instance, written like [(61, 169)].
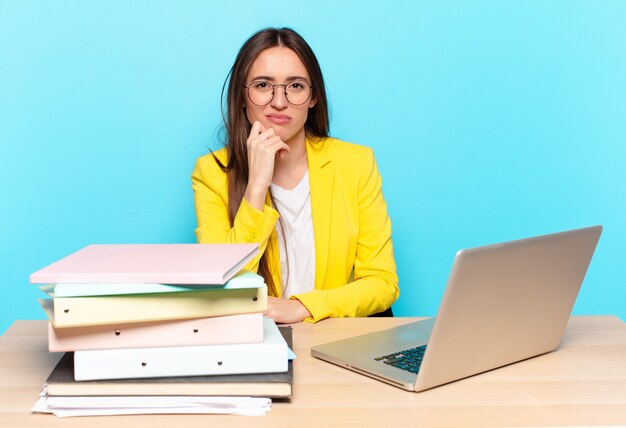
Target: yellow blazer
[(355, 271)]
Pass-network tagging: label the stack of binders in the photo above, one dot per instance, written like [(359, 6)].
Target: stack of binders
[(164, 319)]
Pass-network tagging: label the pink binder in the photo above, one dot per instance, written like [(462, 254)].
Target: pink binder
[(149, 263), (244, 328)]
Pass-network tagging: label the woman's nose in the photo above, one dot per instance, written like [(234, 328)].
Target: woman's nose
[(279, 100)]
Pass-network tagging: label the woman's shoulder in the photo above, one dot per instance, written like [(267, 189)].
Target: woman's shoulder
[(352, 162), (343, 150), (209, 165)]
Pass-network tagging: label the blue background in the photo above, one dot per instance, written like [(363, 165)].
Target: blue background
[(490, 121)]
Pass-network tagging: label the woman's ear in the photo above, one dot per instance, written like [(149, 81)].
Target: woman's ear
[(313, 102)]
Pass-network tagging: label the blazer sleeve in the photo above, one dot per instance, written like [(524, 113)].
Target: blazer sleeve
[(210, 188), (374, 286)]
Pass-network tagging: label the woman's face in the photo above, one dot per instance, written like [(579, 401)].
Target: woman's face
[(279, 65)]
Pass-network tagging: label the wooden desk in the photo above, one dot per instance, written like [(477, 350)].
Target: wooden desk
[(583, 383)]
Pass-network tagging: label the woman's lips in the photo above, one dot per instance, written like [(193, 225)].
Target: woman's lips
[(279, 119)]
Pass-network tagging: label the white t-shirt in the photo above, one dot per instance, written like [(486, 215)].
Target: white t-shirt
[(297, 266)]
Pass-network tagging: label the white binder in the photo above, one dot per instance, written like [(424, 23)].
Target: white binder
[(270, 356)]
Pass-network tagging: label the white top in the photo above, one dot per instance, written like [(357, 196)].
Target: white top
[(297, 267)]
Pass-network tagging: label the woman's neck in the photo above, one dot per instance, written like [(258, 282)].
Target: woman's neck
[(289, 169)]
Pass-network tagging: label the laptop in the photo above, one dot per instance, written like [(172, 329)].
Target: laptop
[(503, 303)]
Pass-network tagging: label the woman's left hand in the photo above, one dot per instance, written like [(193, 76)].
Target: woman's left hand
[(286, 311)]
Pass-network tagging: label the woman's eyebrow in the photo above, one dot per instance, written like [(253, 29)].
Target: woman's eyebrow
[(290, 78), (272, 79), (263, 78)]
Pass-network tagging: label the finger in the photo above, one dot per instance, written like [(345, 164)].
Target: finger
[(283, 150), (268, 132), (256, 129), (282, 146), (276, 144), (263, 137)]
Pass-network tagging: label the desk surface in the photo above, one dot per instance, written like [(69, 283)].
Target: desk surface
[(583, 383)]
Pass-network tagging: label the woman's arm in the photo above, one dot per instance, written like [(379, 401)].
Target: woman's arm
[(209, 184), (210, 187)]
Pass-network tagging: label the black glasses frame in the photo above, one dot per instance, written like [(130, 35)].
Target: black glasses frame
[(284, 85)]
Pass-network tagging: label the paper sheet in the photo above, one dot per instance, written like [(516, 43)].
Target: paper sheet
[(109, 405)]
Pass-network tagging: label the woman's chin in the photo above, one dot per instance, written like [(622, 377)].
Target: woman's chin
[(284, 136)]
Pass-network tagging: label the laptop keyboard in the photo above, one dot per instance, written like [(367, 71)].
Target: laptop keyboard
[(409, 359)]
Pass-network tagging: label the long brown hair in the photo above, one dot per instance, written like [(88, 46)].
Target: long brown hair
[(237, 126)]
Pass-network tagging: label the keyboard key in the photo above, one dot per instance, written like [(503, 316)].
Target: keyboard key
[(409, 360)]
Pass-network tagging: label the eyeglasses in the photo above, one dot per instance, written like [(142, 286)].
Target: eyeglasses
[(261, 92)]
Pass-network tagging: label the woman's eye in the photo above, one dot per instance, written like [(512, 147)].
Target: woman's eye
[(262, 85), (296, 86)]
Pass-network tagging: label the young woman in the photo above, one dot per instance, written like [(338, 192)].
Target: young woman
[(313, 203)]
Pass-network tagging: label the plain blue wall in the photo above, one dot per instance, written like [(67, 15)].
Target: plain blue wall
[(490, 121)]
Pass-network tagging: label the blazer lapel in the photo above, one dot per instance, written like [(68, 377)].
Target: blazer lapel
[(321, 178), (273, 253)]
